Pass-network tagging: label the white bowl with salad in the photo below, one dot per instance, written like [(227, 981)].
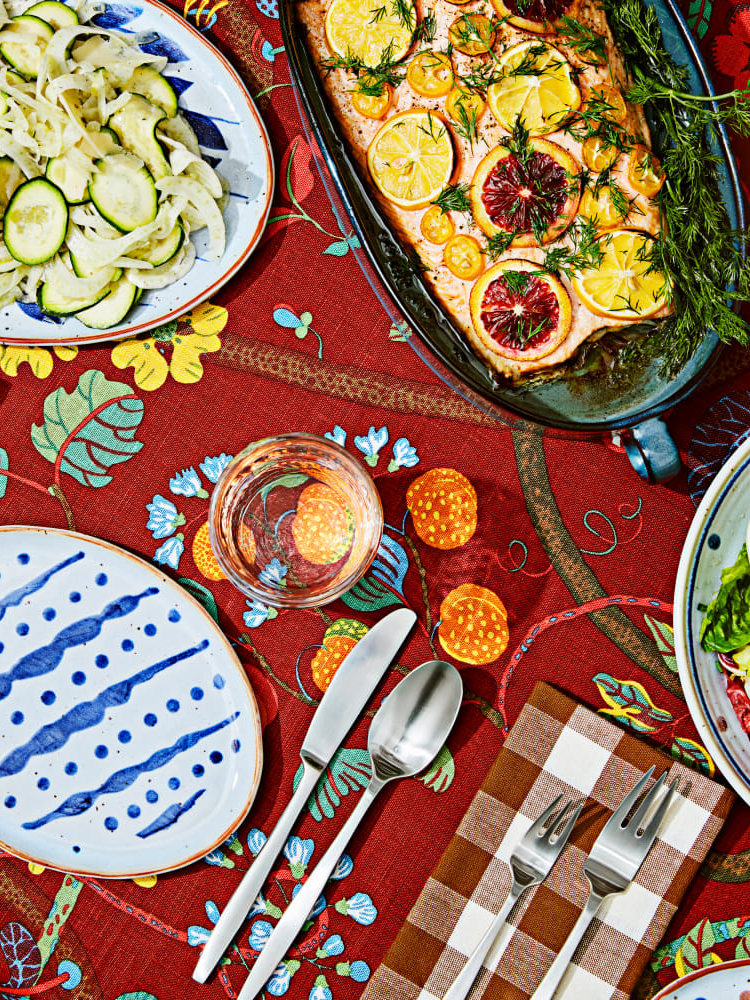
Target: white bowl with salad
[(114, 216), (712, 620)]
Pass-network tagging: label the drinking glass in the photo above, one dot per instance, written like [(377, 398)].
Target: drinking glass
[(295, 520)]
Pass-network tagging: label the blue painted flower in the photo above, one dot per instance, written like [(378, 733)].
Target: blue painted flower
[(164, 518), (169, 553), (333, 945), (359, 971), (359, 908), (187, 484), (338, 434), (279, 982), (344, 867), (404, 455), (212, 468), (257, 614), (371, 444), (255, 841), (260, 932), (197, 935), (258, 907), (285, 317), (320, 990), (298, 853), (218, 858), (273, 574)]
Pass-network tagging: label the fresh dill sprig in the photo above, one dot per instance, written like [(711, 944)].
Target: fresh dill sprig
[(584, 253), (701, 255), (465, 113), (582, 39), (498, 243), (454, 198), (426, 30), (405, 12), (371, 80)]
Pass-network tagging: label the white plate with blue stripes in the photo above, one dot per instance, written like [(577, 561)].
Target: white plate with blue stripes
[(130, 738)]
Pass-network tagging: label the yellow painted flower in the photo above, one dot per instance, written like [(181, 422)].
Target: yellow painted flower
[(39, 359), (191, 335)]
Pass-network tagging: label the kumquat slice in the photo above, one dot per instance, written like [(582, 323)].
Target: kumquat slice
[(463, 257), (430, 74), (437, 226)]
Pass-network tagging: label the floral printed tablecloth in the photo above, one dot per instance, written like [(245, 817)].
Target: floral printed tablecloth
[(554, 537)]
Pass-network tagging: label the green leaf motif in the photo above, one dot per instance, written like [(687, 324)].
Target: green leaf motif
[(692, 754), (202, 594), (442, 771), (289, 480), (695, 950), (699, 16), (340, 248), (664, 638), (348, 771), (91, 429), (743, 949), (4, 464), (369, 595)]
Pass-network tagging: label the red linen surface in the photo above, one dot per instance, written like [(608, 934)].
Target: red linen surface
[(562, 525)]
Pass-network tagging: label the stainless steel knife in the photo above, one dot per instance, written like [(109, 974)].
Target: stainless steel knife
[(346, 696)]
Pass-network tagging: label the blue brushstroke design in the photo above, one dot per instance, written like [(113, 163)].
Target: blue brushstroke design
[(170, 816), (55, 735), (14, 598), (207, 132), (34, 312), (164, 47), (76, 804), (178, 84), (116, 16), (47, 658)]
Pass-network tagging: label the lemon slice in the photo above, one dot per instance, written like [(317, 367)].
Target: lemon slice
[(411, 158), (369, 29), (625, 285), (537, 85)]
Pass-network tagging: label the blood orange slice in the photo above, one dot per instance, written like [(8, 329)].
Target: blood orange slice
[(519, 311), (535, 15), (531, 193)]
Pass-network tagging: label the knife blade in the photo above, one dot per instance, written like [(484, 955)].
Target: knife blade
[(346, 696)]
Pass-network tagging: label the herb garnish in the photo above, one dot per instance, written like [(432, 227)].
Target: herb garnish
[(454, 198)]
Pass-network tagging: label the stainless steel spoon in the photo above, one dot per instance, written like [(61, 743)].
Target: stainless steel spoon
[(408, 730)]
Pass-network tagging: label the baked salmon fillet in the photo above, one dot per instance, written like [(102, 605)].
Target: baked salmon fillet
[(501, 147)]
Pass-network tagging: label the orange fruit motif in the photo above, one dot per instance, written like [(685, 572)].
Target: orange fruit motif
[(203, 555), (473, 624), (338, 640), (443, 506), (323, 526)]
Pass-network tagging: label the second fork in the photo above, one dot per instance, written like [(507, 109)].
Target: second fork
[(531, 861)]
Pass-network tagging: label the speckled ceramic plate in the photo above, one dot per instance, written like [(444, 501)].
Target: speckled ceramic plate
[(130, 739), (713, 542), (232, 137), (728, 981)]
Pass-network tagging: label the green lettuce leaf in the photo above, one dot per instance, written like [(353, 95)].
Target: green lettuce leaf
[(726, 626)]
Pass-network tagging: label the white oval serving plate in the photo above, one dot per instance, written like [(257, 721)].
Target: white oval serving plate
[(714, 540), (726, 981), (130, 739), (230, 131)]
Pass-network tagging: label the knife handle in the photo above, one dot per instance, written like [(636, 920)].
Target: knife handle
[(243, 897), (290, 924)]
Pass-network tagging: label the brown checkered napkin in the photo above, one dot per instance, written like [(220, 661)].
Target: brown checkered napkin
[(556, 746)]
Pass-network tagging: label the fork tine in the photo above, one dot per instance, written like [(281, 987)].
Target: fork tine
[(630, 799), (648, 800), (538, 826), (653, 827), (566, 830)]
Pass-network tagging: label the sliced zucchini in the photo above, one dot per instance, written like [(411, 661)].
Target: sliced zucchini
[(23, 42), (55, 13), (149, 83), (10, 178), (135, 126), (113, 308), (54, 296), (160, 251), (71, 172), (36, 221), (123, 191)]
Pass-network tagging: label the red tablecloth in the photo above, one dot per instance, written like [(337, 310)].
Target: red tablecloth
[(561, 525)]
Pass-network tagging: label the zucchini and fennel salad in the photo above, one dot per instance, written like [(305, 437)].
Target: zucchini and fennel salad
[(725, 630), (102, 180)]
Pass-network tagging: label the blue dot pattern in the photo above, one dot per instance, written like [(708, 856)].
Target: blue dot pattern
[(196, 693), (17, 718), (48, 697), (150, 630), (49, 614), (101, 580), (101, 661), (150, 719), (79, 678), (151, 795), (714, 541), (22, 628)]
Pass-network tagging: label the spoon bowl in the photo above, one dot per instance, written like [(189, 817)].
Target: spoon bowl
[(408, 730)]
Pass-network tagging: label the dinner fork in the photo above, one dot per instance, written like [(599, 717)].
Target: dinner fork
[(614, 861), (531, 862)]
